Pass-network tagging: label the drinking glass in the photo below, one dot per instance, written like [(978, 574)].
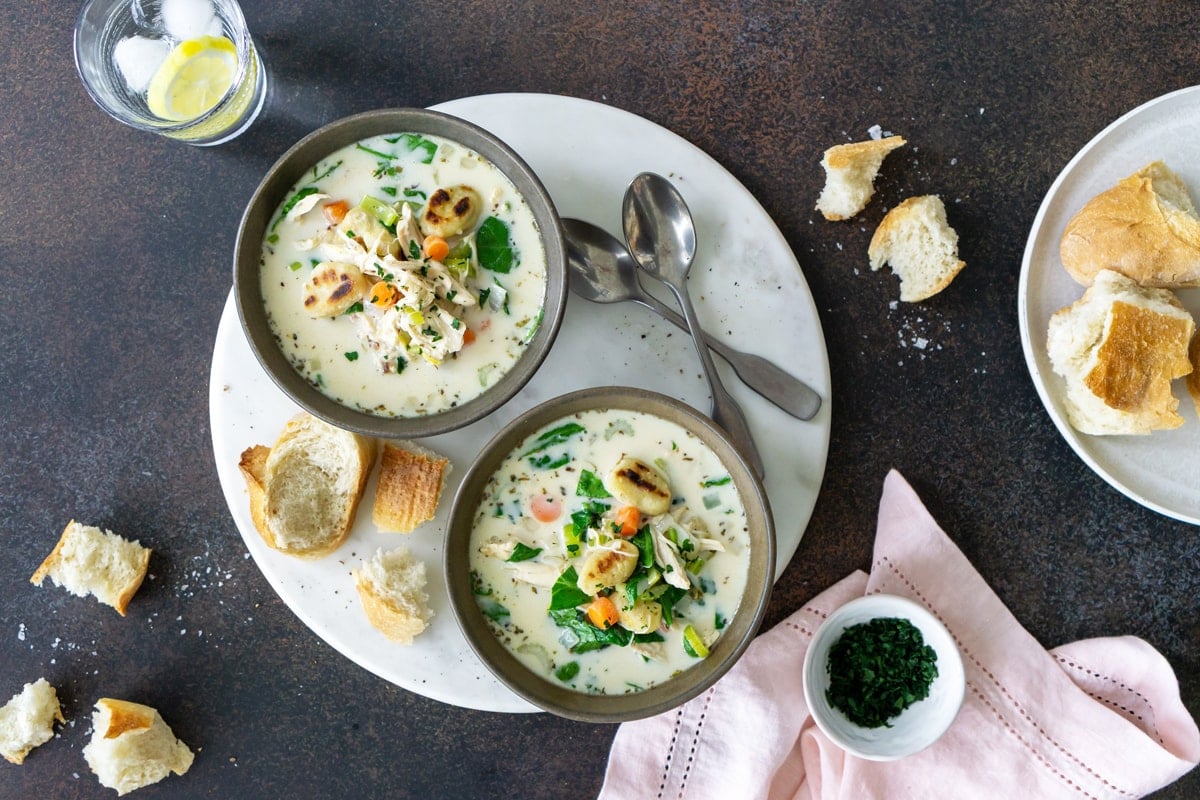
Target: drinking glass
[(186, 69)]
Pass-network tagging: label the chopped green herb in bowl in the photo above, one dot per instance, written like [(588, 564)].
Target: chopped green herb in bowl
[(883, 677)]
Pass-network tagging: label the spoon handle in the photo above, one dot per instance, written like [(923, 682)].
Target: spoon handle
[(780, 387), (726, 411)]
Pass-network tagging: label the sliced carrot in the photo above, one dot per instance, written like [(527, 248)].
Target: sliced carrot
[(335, 212), (468, 336), (435, 247), (627, 521), (384, 295), (545, 507), (602, 612)]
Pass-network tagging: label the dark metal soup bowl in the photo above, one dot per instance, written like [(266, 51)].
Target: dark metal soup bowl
[(554, 697), (291, 167)]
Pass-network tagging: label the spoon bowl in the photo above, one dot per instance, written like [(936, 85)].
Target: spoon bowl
[(662, 238), (602, 270)]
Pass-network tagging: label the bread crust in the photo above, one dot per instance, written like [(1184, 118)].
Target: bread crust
[(409, 487), (387, 617), (260, 466), (252, 465), (850, 171), (121, 602), (1118, 348), (1135, 229), (918, 281), (132, 746)]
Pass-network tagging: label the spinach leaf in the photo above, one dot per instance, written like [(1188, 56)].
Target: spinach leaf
[(555, 436), (413, 142), (588, 516), (567, 671), (565, 594), (494, 245), (523, 552), (550, 438), (590, 485), (667, 600), (644, 541), (492, 610), (581, 636)]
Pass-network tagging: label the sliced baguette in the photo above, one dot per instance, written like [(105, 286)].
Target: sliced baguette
[(850, 171), (132, 747), (410, 484), (88, 560), (919, 244), (27, 720), (391, 587), (1118, 348), (305, 489), (1146, 227)]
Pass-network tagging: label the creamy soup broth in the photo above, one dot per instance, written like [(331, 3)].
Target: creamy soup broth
[(527, 536), (402, 378)]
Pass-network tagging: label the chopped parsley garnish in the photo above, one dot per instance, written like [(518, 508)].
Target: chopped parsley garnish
[(567, 671), (352, 355), (879, 668), (725, 481)]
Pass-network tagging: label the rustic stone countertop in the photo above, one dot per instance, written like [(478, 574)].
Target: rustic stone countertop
[(115, 263)]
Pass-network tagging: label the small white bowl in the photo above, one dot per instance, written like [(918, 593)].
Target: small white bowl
[(919, 725)]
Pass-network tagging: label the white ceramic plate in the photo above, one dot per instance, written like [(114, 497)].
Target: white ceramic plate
[(1161, 470), (748, 288)]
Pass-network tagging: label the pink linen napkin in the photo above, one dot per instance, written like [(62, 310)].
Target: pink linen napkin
[(1099, 718)]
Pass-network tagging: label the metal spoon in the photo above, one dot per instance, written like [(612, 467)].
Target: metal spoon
[(662, 238), (602, 271)]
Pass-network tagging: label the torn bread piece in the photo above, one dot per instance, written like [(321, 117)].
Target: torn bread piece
[(1118, 348), (410, 484), (88, 560), (132, 746), (850, 171), (305, 489), (919, 244), (391, 587), (1146, 227), (27, 720)]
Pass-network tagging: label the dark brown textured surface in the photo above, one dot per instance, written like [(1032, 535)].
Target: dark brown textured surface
[(115, 251)]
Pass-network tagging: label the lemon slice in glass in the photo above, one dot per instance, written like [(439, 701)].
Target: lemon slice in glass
[(195, 75)]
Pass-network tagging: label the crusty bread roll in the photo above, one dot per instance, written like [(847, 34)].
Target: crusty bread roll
[(132, 747), (1118, 348), (409, 487), (88, 560), (392, 589), (304, 490), (850, 171), (1193, 377), (1146, 227), (27, 720), (919, 244)]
